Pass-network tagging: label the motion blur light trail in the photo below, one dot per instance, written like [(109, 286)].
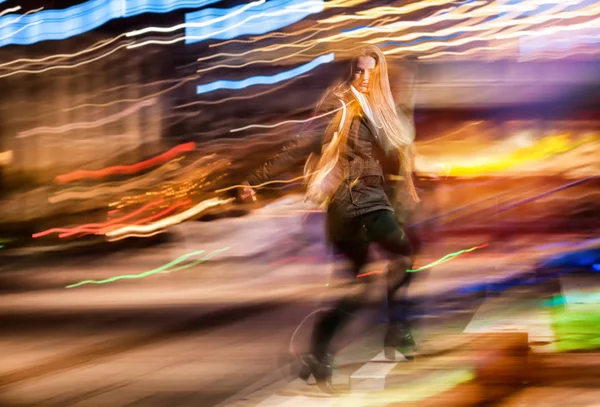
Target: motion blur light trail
[(253, 96), (265, 80), (162, 269), (447, 257), (286, 12), (265, 36), (8, 10), (124, 232), (540, 150), (115, 223), (197, 24), (180, 83), (72, 66), (32, 61), (114, 187), (98, 226), (287, 181), (127, 169), (441, 260), (518, 34), (254, 62), (386, 11), (84, 17), (496, 24), (88, 125), (271, 126), (288, 15)]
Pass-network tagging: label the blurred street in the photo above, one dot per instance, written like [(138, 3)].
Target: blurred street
[(220, 328), (167, 168)]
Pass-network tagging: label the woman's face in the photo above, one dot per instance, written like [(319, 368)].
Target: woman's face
[(363, 72)]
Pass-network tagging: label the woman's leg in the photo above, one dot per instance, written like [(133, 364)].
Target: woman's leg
[(393, 239), (336, 318), (397, 278)]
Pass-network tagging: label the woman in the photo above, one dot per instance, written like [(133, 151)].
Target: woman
[(364, 166)]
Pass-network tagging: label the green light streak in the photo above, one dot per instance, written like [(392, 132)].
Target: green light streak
[(446, 258), (162, 269)]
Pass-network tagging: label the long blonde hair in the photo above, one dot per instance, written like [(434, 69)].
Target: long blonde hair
[(395, 129)]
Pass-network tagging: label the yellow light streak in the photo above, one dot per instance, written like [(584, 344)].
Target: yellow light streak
[(272, 126), (166, 222), (494, 24), (9, 10), (528, 33), (30, 61), (151, 96), (51, 68)]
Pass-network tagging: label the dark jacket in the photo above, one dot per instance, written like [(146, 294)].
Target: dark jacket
[(367, 186)]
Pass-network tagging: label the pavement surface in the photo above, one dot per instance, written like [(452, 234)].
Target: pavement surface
[(217, 331)]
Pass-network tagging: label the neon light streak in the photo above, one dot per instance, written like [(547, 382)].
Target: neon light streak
[(266, 80), (271, 126), (162, 269), (163, 223), (446, 258), (84, 17), (114, 187), (258, 20), (127, 169), (216, 102), (87, 125), (115, 223), (98, 225), (219, 19)]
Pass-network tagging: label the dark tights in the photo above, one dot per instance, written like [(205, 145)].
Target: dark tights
[(399, 247)]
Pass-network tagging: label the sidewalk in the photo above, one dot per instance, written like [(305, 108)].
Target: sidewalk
[(460, 369), (250, 277)]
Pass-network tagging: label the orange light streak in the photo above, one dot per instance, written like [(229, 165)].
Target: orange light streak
[(114, 224), (98, 225), (122, 233)]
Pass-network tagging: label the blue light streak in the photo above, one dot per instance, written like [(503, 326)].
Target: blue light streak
[(81, 18), (261, 19), (265, 80)]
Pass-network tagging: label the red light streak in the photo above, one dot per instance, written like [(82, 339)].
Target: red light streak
[(126, 169)]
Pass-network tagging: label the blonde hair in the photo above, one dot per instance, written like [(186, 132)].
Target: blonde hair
[(396, 131)]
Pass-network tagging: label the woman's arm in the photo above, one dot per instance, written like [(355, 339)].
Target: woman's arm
[(310, 140)]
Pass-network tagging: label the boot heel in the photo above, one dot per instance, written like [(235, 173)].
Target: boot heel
[(320, 370), (389, 352), (305, 372)]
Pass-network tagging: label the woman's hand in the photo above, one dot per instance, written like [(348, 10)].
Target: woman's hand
[(247, 192)]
